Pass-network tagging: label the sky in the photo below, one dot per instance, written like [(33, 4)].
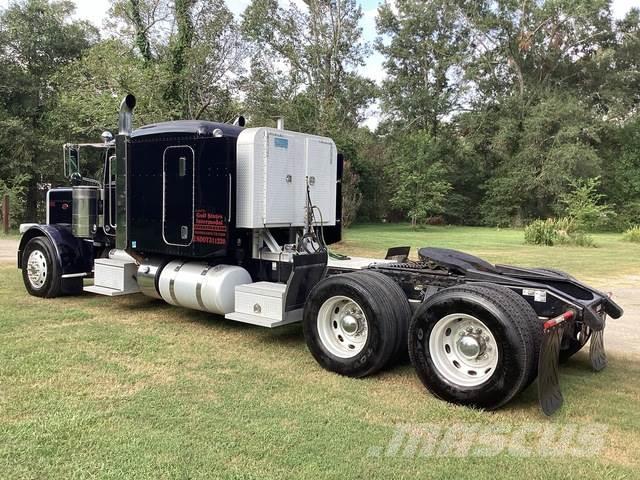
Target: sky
[(96, 11)]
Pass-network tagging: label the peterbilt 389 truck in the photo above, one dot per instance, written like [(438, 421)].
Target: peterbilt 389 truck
[(238, 222)]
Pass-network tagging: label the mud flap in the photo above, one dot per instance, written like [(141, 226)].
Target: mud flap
[(549, 393), (597, 355)]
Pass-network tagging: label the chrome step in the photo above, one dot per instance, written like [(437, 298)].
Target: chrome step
[(113, 277), (263, 304), (290, 317)]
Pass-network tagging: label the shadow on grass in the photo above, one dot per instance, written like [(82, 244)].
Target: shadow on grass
[(289, 340)]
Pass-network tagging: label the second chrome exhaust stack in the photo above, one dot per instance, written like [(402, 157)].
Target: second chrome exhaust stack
[(125, 119)]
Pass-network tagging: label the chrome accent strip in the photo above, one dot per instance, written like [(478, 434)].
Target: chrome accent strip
[(47, 219), (73, 275), (230, 188), (203, 274), (112, 198), (172, 283)]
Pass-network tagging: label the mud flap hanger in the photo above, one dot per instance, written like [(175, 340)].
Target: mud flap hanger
[(549, 393)]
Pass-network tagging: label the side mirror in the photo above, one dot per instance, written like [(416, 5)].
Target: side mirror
[(71, 161)]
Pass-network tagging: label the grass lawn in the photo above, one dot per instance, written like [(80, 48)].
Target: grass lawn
[(612, 258), (129, 387)]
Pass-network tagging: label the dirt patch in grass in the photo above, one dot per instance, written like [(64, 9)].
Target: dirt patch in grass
[(8, 249)]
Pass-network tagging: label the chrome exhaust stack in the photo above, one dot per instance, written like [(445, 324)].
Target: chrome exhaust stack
[(125, 127), (125, 119)]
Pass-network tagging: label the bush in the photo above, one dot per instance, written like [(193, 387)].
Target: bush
[(586, 206), (541, 232), (560, 231), (627, 218), (632, 235)]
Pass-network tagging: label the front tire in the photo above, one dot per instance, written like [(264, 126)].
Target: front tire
[(355, 323), (472, 345), (40, 271)]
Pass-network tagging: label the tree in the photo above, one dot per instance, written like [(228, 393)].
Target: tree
[(621, 177), (319, 49), (426, 49), (537, 74), (304, 69), (425, 46), (145, 24), (197, 46), (91, 88), (538, 156), (421, 185), (529, 48), (351, 196), (37, 39)]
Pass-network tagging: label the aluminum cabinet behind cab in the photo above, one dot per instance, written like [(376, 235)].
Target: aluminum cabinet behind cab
[(238, 221)]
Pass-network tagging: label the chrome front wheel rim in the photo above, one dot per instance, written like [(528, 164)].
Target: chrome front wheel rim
[(463, 350), (342, 326), (37, 269)]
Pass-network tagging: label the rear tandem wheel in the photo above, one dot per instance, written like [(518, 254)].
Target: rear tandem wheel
[(355, 324), (475, 345)]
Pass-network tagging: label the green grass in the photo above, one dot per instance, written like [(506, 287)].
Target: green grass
[(612, 258), (128, 387)]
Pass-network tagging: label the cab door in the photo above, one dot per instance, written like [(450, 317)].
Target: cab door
[(178, 199)]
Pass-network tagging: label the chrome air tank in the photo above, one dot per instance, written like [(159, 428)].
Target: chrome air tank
[(84, 216), (200, 286)]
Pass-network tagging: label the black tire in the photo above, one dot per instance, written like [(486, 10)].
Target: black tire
[(508, 320), (536, 326), (385, 308), (51, 286), (403, 316)]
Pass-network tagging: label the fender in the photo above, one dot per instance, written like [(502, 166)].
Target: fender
[(74, 255)]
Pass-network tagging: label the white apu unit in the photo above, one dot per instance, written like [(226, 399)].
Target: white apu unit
[(273, 169)]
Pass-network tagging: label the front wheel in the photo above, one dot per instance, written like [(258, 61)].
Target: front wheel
[(40, 271)]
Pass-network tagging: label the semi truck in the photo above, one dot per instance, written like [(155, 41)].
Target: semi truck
[(238, 222)]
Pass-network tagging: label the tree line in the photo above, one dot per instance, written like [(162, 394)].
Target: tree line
[(491, 112)]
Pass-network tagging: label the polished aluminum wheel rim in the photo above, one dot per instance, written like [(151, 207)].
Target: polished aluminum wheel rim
[(342, 327), (37, 269), (463, 350)]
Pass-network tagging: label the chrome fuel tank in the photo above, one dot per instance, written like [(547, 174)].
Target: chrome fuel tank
[(200, 286)]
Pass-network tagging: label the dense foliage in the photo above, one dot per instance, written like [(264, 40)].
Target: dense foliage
[(492, 112)]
